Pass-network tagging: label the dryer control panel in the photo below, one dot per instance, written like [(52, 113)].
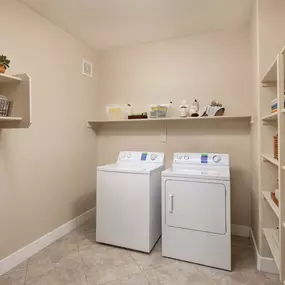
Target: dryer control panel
[(141, 156), (201, 159)]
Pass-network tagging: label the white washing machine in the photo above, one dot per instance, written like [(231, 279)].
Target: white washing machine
[(129, 201), (196, 216)]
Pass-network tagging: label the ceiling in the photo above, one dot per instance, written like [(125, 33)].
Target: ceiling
[(105, 24)]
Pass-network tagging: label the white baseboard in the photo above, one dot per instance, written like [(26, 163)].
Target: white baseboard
[(239, 230), (26, 252), (264, 264)]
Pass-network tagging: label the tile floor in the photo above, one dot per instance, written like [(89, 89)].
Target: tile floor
[(77, 259)]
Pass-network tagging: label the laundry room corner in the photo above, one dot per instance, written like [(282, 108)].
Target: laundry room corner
[(142, 142)]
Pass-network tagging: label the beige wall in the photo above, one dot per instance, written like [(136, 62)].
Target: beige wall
[(208, 66), (271, 35), (255, 127), (46, 171)]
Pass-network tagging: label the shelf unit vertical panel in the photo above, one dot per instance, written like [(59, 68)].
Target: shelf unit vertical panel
[(281, 156)]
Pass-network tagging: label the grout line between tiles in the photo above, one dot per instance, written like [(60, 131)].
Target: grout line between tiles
[(175, 261), (147, 279), (130, 275), (25, 282), (134, 261), (80, 256)]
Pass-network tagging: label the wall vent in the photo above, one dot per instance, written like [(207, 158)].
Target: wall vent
[(86, 68)]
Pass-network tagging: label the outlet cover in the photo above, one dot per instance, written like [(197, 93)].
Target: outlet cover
[(86, 68)]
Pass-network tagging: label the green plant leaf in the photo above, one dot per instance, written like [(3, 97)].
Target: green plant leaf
[(4, 61)]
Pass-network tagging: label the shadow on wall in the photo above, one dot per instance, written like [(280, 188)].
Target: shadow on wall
[(223, 128), (84, 203)]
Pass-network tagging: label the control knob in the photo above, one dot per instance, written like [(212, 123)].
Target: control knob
[(217, 158), (153, 156)]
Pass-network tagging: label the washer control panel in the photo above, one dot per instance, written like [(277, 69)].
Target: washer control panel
[(201, 158), (141, 156)]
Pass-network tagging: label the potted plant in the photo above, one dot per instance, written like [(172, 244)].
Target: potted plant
[(4, 63)]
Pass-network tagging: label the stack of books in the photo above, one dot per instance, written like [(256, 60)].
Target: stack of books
[(274, 105)]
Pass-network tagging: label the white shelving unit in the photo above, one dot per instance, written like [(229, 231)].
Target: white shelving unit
[(270, 235), (4, 78), (270, 118), (267, 197), (270, 158), (16, 88), (272, 217), (271, 75)]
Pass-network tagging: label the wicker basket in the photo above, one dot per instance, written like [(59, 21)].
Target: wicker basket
[(275, 146), (5, 106)]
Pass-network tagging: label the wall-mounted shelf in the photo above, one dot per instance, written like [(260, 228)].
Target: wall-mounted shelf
[(267, 196), (17, 89), (5, 78), (273, 244), (98, 123), (10, 122), (270, 158), (10, 119)]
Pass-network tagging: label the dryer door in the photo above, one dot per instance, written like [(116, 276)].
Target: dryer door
[(196, 206)]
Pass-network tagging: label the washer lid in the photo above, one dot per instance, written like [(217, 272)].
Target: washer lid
[(139, 168), (219, 173)]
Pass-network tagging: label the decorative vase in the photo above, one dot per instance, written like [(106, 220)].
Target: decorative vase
[(2, 69)]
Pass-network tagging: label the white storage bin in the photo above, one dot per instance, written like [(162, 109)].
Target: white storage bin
[(118, 112)]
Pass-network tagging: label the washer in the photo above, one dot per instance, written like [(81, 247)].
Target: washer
[(129, 201), (196, 218)]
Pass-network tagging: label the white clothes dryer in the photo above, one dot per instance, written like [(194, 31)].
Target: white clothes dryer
[(196, 212)]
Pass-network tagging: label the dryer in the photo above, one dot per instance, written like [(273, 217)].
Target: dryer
[(129, 200), (196, 216)]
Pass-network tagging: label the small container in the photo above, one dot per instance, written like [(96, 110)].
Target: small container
[(5, 106), (118, 112), (184, 109), (158, 110)]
